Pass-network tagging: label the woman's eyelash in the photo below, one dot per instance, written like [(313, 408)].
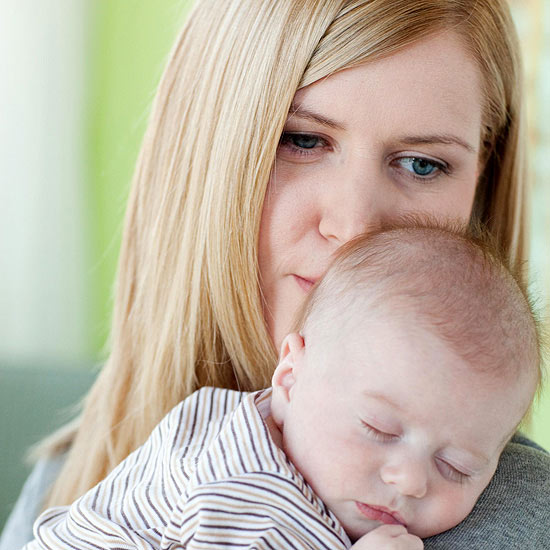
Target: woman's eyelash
[(421, 168), (302, 144), (378, 435)]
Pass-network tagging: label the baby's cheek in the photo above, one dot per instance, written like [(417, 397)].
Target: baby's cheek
[(448, 509), (321, 467)]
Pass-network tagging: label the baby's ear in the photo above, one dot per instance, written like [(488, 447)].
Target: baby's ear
[(284, 377)]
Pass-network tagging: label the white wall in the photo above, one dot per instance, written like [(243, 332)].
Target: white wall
[(43, 54)]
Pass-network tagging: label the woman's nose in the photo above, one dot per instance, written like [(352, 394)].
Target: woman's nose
[(409, 476), (354, 202)]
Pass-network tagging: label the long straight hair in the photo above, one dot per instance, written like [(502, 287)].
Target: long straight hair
[(188, 304)]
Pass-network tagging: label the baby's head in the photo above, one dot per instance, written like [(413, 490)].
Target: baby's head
[(416, 358)]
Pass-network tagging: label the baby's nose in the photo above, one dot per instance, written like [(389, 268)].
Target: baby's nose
[(409, 476)]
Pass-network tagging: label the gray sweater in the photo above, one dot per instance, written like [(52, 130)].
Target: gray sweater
[(512, 513)]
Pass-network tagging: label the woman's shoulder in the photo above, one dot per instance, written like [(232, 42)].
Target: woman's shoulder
[(524, 467), (520, 439), (18, 529)]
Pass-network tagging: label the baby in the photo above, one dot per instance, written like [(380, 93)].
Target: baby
[(414, 360)]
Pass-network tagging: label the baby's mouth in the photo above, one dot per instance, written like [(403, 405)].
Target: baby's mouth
[(380, 513)]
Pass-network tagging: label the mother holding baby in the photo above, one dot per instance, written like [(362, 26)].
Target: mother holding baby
[(282, 129)]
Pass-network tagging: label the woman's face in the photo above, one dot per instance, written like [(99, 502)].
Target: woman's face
[(363, 147)]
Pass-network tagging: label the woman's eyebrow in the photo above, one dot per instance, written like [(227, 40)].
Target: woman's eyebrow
[(302, 112), (445, 139)]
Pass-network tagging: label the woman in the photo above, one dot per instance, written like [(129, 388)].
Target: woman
[(281, 129)]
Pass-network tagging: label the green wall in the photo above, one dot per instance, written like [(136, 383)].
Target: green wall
[(130, 42)]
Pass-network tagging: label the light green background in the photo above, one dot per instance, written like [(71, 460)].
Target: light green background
[(131, 40)]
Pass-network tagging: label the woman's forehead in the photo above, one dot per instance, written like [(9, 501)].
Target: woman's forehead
[(431, 85)]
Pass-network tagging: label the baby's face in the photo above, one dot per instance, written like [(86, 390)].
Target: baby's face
[(388, 425)]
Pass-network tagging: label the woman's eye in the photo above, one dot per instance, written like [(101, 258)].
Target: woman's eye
[(379, 435), (421, 168), (450, 472), (301, 144)]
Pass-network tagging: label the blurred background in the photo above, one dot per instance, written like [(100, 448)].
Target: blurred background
[(77, 80)]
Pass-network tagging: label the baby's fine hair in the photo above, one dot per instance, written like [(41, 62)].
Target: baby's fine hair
[(443, 277)]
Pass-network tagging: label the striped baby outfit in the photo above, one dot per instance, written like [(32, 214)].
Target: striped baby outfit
[(208, 477)]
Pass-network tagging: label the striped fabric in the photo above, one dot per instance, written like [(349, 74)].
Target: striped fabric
[(208, 477)]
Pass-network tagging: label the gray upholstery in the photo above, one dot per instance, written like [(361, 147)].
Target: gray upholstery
[(34, 401)]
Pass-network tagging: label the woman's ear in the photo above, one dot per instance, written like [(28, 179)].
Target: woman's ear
[(286, 372)]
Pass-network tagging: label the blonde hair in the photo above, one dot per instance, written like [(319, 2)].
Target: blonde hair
[(188, 306)]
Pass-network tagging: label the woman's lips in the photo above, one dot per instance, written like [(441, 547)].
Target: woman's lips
[(379, 513), (305, 284)]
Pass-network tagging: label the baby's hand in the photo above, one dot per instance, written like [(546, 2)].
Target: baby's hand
[(389, 537)]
